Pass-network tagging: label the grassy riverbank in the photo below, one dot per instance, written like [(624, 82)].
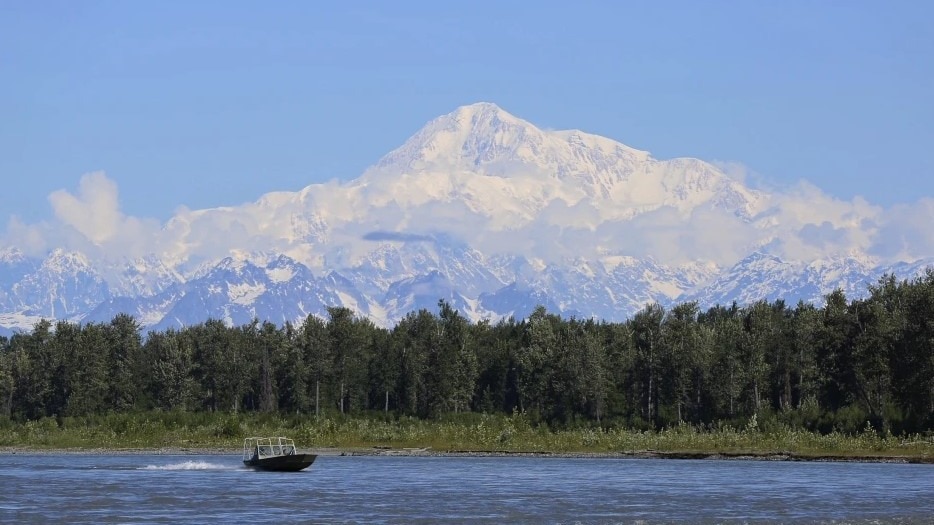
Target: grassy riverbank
[(465, 434)]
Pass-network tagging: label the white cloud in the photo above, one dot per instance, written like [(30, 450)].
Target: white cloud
[(809, 224), (90, 222), (748, 177), (94, 212), (29, 238), (905, 232), (670, 237), (800, 223), (737, 171)]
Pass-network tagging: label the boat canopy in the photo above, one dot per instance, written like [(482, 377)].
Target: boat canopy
[(266, 447)]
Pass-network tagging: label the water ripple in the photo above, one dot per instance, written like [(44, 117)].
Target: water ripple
[(217, 489)]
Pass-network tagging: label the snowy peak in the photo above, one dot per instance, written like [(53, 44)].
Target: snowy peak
[(67, 262), (483, 138), (11, 256), (470, 136), (63, 286), (481, 154), (424, 292), (13, 266), (765, 276), (282, 269), (482, 133), (143, 276)]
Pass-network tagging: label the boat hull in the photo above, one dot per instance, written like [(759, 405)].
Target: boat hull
[(290, 463)]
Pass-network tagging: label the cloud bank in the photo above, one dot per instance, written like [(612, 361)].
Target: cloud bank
[(340, 223), (89, 221)]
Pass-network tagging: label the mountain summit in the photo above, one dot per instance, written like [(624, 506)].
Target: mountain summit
[(481, 208), (483, 138), (469, 137), (467, 147)]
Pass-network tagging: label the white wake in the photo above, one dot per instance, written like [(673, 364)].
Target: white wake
[(189, 465)]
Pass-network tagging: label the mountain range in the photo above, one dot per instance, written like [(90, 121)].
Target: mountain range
[(480, 208)]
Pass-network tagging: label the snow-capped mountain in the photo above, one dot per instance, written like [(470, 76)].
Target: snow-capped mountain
[(64, 285), (763, 276), (479, 208), (143, 276), (481, 141), (508, 173)]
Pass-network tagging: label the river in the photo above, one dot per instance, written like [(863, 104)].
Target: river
[(69, 488)]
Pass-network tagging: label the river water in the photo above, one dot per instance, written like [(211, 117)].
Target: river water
[(377, 489)]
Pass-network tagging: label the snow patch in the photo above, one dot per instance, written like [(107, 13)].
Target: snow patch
[(668, 289), (244, 293), (610, 262), (348, 301), (19, 321), (280, 275)]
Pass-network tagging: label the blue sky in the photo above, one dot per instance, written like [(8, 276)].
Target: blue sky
[(205, 104)]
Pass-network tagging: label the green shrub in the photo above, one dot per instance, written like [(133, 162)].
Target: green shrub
[(765, 433)]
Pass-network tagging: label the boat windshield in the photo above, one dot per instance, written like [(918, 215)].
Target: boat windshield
[(265, 447)]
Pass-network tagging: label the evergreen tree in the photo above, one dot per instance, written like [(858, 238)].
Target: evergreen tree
[(535, 361), (411, 341), (913, 360), (123, 354), (33, 368), (646, 330), (350, 344), (806, 330), (622, 393), (223, 368), (6, 379), (760, 334), (88, 374), (172, 385), (315, 348), (726, 366), (456, 361), (680, 357), (292, 373)]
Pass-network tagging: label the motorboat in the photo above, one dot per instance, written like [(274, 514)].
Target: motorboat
[(274, 454)]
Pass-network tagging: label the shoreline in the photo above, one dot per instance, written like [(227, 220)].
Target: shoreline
[(428, 452)]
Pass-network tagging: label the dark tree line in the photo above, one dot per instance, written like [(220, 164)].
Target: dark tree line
[(831, 368)]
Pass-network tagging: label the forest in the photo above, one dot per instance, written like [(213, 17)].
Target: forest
[(842, 367)]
